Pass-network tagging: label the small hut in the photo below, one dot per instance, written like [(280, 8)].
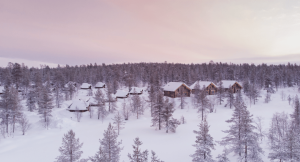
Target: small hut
[(100, 85), (234, 85), (211, 88), (121, 94), (173, 89), (86, 86), (78, 105), (136, 91)]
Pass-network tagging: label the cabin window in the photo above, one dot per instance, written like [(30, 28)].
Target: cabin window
[(212, 92)]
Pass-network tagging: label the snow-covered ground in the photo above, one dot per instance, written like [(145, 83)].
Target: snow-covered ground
[(41, 145)]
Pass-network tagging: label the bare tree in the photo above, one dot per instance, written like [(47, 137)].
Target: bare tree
[(119, 122), (24, 124), (258, 121)]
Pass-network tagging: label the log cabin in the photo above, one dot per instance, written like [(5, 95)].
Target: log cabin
[(210, 87), (121, 94), (79, 105), (136, 91), (86, 86), (173, 89), (234, 85), (100, 85)]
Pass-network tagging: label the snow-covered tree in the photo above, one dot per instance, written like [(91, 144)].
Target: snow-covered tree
[(223, 157), (167, 114), (202, 102), (101, 110), (204, 144), (24, 124), (138, 155), (296, 114), (183, 120), (111, 147), (277, 136), (45, 105), (230, 97), (220, 93), (31, 101), (182, 96), (58, 97), (241, 136), (268, 97), (289, 99), (70, 149), (157, 113), (137, 105), (119, 122), (154, 158), (126, 112), (100, 156)]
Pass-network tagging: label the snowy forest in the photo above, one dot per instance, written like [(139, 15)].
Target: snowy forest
[(41, 111)]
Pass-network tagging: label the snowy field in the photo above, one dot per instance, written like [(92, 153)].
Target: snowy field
[(41, 145)]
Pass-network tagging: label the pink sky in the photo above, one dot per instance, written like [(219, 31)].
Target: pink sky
[(116, 31)]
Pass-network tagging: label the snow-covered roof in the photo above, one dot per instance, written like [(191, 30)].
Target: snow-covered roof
[(99, 84), (201, 84), (121, 93), (227, 83), (1, 89), (70, 83), (172, 86), (136, 90), (78, 104), (85, 85)]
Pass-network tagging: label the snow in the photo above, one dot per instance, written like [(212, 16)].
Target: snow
[(121, 93), (136, 90), (78, 104), (172, 86), (40, 144), (99, 85), (85, 86), (201, 84)]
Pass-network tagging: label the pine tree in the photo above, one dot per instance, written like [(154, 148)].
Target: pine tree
[(137, 105), (138, 155), (111, 147), (204, 144), (182, 96), (31, 101), (70, 149), (45, 105), (223, 157), (202, 102), (241, 136), (220, 93), (157, 113), (58, 97), (100, 156), (173, 124), (16, 75), (155, 158), (151, 99), (230, 97), (167, 113), (296, 114), (119, 122), (101, 111)]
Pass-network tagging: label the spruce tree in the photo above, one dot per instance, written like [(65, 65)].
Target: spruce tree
[(204, 144), (157, 113), (111, 147), (202, 102), (31, 100), (138, 155), (230, 97), (154, 158), (45, 105), (100, 156), (70, 149), (220, 93), (101, 110)]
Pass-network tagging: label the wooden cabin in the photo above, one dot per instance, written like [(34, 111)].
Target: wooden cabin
[(173, 89), (211, 88), (136, 91), (121, 94), (100, 85), (86, 86), (79, 105), (234, 85)]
